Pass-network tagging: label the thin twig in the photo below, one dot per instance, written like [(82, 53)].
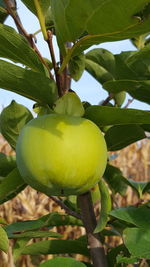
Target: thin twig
[(13, 6), (63, 206), (106, 101), (89, 220), (66, 80), (29, 37), (129, 102), (55, 66), (10, 10)]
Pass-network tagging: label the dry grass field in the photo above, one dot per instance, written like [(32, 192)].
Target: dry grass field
[(134, 162)]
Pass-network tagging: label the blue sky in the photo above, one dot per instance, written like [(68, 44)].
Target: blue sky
[(87, 88)]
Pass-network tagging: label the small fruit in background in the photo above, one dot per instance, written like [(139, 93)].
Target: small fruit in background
[(119, 98)]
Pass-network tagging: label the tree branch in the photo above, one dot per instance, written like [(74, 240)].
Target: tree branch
[(106, 101), (129, 102), (64, 207), (57, 76), (88, 217)]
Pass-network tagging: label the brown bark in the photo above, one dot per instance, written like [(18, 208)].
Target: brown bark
[(89, 220)]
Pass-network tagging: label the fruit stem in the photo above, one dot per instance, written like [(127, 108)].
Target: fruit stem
[(89, 220)]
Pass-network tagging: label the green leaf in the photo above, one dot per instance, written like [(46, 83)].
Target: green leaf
[(103, 58), (140, 41), (30, 5), (139, 90), (139, 217), (137, 241), (120, 136), (111, 232), (2, 221), (15, 47), (49, 20), (62, 261), (104, 18), (114, 252), (140, 187), (3, 11), (105, 206), (103, 22), (49, 220), (146, 127), (3, 14), (77, 66), (146, 188), (56, 247), (69, 104), (98, 72), (4, 245), (42, 109), (60, 23), (29, 225), (103, 115), (140, 62), (35, 234), (100, 63), (7, 164), (18, 247), (121, 259), (2, 4), (122, 70), (95, 194), (115, 180), (11, 185), (104, 66), (71, 202), (12, 120), (33, 85), (126, 54)]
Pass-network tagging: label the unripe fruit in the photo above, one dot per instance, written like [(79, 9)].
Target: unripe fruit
[(61, 154), (120, 98)]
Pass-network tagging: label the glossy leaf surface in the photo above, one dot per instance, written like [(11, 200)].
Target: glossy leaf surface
[(62, 261), (139, 217), (10, 44), (31, 84), (7, 164), (103, 115), (137, 241), (120, 136), (56, 247), (3, 240), (12, 120), (11, 185)]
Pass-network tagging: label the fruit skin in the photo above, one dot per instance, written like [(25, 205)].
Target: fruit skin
[(120, 98), (61, 154)]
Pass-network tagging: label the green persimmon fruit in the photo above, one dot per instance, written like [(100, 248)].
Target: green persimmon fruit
[(61, 154), (119, 98)]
